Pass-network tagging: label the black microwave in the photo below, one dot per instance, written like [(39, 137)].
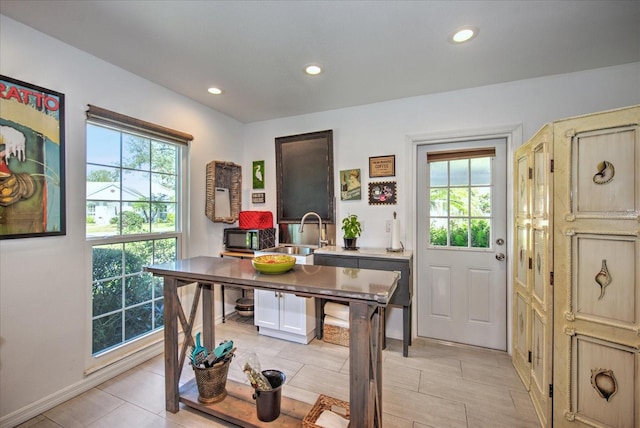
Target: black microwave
[(249, 240)]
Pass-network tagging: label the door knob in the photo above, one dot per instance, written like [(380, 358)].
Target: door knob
[(500, 257)]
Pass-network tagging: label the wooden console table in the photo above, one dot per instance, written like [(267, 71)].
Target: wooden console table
[(367, 294)]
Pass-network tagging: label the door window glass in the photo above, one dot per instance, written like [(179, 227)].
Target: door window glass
[(460, 202)]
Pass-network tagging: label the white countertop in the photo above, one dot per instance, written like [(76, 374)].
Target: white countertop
[(364, 252)]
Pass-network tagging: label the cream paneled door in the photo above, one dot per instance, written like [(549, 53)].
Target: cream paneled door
[(597, 270), (462, 230), (532, 270)]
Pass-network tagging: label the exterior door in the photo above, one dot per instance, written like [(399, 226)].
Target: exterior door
[(461, 231)]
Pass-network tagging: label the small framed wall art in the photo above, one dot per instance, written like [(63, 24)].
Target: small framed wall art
[(350, 188), (257, 198), (382, 166), (258, 174), (383, 193)]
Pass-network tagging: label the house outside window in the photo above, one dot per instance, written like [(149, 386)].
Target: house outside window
[(134, 218), (91, 212)]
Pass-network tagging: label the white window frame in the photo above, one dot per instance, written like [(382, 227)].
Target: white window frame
[(466, 155), (151, 344)]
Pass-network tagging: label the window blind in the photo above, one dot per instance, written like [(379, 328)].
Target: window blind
[(111, 118), (461, 154)]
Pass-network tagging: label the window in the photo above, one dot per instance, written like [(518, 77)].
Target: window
[(460, 198), (133, 212)]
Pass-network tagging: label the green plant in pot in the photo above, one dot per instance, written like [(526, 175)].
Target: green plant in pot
[(352, 229)]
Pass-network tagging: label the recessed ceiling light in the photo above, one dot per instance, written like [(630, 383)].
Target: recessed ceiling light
[(313, 69), (215, 91), (463, 35)]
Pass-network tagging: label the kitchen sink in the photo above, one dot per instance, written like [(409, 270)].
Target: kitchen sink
[(294, 250)]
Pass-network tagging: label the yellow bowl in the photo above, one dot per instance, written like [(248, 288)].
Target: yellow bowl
[(273, 264)]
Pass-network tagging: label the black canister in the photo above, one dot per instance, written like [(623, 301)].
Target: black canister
[(268, 402)]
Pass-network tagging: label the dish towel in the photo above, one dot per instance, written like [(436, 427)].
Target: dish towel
[(337, 310), (328, 419)]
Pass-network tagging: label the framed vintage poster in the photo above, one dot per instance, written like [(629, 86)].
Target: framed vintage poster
[(382, 166), (350, 188), (258, 174), (32, 161), (383, 193)]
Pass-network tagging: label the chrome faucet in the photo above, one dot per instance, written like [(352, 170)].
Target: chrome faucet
[(320, 231)]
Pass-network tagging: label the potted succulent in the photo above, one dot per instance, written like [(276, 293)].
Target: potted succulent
[(352, 229)]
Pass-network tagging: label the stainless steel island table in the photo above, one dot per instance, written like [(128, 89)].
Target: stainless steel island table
[(366, 291)]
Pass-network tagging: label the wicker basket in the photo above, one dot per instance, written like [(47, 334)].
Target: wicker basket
[(229, 176), (324, 402), (335, 334), (212, 382)]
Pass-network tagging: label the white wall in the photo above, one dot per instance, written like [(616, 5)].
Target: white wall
[(386, 129), (44, 301), (44, 282)]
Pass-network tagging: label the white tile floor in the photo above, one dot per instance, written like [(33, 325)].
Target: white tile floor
[(438, 385)]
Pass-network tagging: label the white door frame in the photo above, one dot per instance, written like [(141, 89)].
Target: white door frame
[(513, 134)]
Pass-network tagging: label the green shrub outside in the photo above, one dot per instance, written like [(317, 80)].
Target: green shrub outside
[(107, 296), (480, 235)]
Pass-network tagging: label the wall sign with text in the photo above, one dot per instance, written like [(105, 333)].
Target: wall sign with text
[(258, 198), (382, 166)]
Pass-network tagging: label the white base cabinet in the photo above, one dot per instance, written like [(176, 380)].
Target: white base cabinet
[(285, 316)]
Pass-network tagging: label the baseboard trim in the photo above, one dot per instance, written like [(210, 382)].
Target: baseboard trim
[(46, 403), (394, 334), (90, 381)]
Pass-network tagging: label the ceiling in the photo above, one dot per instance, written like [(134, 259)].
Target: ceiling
[(371, 51)]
